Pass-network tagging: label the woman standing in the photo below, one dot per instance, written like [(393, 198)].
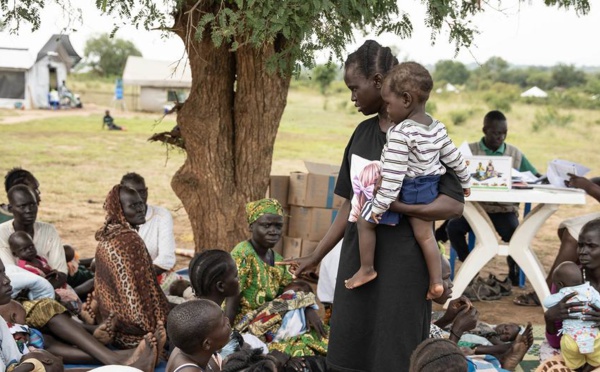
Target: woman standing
[(125, 282), (376, 327)]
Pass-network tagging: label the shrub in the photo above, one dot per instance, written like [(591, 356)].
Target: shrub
[(550, 118), (459, 117), (430, 107)]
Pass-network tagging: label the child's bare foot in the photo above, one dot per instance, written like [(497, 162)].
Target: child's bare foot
[(511, 359), (161, 339), (105, 333), (362, 276), (88, 310), (435, 291), (144, 356)]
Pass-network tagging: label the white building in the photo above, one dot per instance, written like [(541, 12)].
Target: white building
[(534, 92), (26, 79), (159, 82)]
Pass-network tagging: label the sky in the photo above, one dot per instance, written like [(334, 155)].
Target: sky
[(524, 33)]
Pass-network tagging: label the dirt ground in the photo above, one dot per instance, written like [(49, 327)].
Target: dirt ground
[(80, 232)]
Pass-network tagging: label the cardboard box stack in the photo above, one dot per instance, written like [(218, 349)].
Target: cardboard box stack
[(278, 189), (313, 207)]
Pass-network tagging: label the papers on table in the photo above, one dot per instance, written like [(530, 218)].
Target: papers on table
[(524, 176), (559, 170)]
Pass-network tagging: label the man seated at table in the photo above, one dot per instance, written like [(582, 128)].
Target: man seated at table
[(504, 216)]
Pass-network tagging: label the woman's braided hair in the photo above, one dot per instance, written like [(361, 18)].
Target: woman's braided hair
[(206, 269), (371, 58)]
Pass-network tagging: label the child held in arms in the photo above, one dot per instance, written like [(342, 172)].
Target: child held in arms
[(23, 248), (410, 168), (579, 344)]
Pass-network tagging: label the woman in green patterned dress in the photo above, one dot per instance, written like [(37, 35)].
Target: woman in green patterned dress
[(261, 281)]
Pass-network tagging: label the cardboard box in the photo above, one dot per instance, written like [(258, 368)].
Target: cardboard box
[(278, 189), (310, 223), (308, 247), (315, 187), (292, 247), (286, 221)]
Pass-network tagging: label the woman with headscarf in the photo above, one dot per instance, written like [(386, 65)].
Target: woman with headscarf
[(259, 304), (125, 284)]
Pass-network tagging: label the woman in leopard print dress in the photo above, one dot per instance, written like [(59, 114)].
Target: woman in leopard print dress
[(125, 284)]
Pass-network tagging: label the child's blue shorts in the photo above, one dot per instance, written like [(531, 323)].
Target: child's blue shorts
[(419, 190)]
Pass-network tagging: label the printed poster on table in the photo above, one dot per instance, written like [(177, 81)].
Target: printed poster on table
[(490, 172)]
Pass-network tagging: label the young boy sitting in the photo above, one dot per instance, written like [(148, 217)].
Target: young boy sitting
[(197, 329), (25, 337), (579, 344), (410, 167), (23, 248)]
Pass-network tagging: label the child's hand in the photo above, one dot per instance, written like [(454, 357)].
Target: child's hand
[(376, 217), (377, 186), (314, 321), (466, 192)]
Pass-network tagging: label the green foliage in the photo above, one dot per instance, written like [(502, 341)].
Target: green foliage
[(430, 107), (324, 75), (550, 118), (297, 28), (593, 85), (453, 72), (540, 79), (459, 117), (107, 56), (567, 76), (500, 96)]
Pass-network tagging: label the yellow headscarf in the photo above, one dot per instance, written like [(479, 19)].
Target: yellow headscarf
[(258, 208)]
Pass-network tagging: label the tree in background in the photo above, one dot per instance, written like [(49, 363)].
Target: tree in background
[(107, 56), (324, 75), (453, 72), (566, 76), (242, 54)]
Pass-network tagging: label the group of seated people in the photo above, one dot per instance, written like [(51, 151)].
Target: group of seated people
[(120, 308), (128, 307)]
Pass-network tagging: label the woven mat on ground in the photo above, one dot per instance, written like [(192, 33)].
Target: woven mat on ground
[(532, 359)]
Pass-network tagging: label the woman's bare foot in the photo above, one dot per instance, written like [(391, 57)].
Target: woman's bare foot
[(161, 339), (144, 356), (105, 333), (88, 310), (435, 291), (511, 359), (362, 276)]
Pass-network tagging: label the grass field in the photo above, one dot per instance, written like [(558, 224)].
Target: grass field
[(77, 162)]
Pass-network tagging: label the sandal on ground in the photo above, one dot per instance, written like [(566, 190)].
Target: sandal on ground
[(527, 299), (504, 286), (480, 291)]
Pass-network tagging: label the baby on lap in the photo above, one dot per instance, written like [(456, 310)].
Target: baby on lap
[(22, 247)]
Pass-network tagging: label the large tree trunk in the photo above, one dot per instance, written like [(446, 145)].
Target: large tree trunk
[(229, 123)]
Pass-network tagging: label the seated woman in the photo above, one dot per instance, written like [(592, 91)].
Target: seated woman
[(589, 259), (568, 232), (23, 248), (125, 284), (261, 280), (18, 176), (76, 345)]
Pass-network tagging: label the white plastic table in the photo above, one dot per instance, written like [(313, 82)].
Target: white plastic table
[(519, 247)]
